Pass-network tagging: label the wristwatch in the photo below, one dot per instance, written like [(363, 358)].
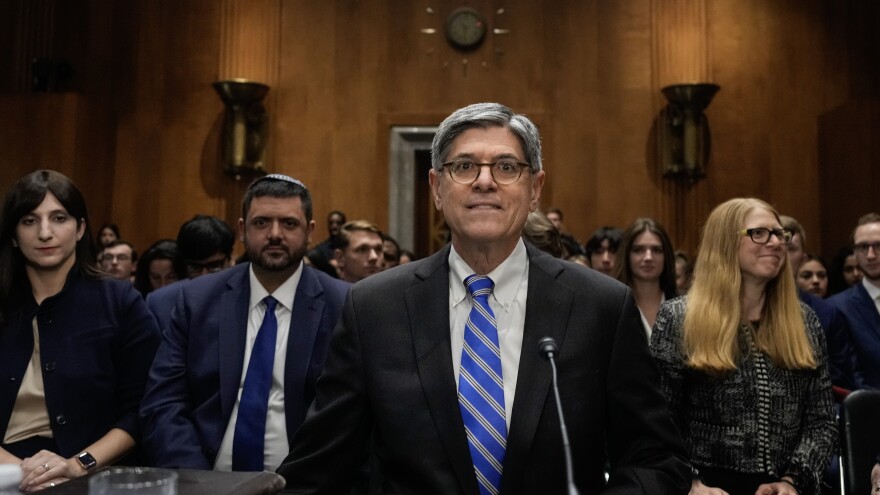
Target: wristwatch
[(86, 461)]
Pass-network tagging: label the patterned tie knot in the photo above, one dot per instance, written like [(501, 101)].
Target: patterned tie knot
[(479, 287)]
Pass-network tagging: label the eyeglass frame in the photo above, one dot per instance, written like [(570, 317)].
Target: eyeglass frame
[(479, 165), (865, 247), (778, 233)]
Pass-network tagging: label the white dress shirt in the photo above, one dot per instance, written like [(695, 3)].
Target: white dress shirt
[(508, 302), (873, 292), (276, 446)]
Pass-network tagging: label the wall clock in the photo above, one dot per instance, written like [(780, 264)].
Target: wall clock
[(465, 28)]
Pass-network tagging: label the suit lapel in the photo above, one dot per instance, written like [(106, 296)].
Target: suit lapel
[(304, 324), (547, 312), (427, 305), (233, 309), (866, 308)]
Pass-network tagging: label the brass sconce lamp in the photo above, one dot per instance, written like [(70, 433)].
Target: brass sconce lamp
[(245, 126), (684, 142)]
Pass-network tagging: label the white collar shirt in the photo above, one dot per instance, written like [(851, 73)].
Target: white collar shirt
[(508, 302), (276, 446)]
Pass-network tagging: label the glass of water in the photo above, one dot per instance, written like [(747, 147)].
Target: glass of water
[(133, 481)]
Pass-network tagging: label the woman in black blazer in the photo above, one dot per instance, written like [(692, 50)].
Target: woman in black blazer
[(75, 348)]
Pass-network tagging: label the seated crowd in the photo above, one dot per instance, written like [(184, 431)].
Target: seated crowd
[(181, 358)]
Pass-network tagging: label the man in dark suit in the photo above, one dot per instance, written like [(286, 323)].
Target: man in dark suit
[(205, 244), (413, 347), (198, 405), (860, 304)]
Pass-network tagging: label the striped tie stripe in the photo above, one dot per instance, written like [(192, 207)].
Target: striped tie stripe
[(481, 389)]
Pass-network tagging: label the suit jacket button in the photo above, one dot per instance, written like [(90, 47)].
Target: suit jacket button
[(49, 367), (61, 419)]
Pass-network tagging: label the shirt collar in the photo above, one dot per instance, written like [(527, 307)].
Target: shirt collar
[(506, 276), (284, 293), (872, 289)]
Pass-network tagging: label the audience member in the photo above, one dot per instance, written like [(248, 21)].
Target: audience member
[(75, 347), (602, 249), (844, 272), (226, 391), (402, 379), (108, 233), (684, 271), (118, 259), (571, 244), (860, 304), (540, 232), (742, 362), (359, 251), (812, 276), (406, 256), (315, 258), (205, 246), (841, 362), (647, 265), (335, 220), (390, 251), (160, 265)]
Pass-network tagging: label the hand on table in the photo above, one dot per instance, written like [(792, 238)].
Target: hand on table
[(46, 469)]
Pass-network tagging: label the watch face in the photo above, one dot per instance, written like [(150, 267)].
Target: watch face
[(465, 28), (86, 460)]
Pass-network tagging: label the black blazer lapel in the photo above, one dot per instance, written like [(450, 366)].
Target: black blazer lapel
[(427, 304), (547, 312), (233, 316)]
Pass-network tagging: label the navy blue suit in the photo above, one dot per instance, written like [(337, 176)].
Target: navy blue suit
[(840, 351), (194, 380), (864, 324), (161, 300)]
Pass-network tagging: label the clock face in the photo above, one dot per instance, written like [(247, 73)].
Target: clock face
[(465, 28)]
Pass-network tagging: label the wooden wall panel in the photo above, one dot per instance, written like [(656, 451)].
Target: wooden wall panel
[(589, 72)]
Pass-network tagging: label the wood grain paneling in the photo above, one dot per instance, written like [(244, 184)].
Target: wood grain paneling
[(146, 122)]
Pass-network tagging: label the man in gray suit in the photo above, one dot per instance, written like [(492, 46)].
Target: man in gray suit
[(444, 383)]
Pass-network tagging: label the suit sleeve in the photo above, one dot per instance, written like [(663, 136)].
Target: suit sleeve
[(170, 438), (337, 428), (644, 446)]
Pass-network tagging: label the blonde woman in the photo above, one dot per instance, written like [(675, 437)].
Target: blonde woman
[(743, 363)]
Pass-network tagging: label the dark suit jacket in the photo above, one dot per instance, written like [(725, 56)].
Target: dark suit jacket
[(389, 377), (194, 380), (97, 340), (841, 364), (864, 325), (161, 301)]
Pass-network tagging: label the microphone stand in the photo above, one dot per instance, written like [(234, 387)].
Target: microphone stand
[(548, 349)]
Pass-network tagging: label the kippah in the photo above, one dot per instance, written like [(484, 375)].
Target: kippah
[(285, 178)]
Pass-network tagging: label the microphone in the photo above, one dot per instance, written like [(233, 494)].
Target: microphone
[(548, 349)]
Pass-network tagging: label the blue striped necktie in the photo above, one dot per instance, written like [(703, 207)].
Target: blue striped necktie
[(480, 389), (250, 426)]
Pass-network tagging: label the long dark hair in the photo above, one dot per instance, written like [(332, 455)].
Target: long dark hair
[(164, 249), (622, 263), (24, 197)]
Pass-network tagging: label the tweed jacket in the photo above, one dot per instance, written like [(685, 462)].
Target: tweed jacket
[(759, 418)]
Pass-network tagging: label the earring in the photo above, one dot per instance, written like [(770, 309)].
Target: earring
[(14, 243)]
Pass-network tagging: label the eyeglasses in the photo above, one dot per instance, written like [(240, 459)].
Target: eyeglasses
[(864, 247), (760, 235), (504, 171), (193, 267)]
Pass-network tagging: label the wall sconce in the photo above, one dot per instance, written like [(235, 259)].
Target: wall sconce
[(685, 140), (245, 126)]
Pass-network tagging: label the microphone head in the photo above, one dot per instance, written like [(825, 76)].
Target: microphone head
[(547, 347)]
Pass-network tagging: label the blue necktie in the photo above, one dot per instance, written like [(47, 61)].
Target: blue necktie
[(250, 427), (480, 389)]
